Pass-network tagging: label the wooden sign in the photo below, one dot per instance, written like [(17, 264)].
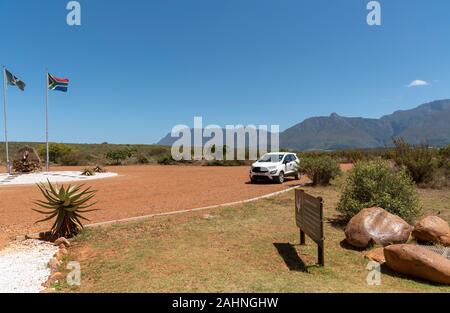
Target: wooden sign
[(309, 218)]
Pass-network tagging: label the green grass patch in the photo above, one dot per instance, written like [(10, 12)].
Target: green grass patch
[(246, 248)]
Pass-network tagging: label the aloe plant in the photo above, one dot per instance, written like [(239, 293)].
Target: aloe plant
[(87, 172), (66, 205), (99, 169)]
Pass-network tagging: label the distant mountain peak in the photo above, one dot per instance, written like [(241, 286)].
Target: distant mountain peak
[(429, 122), (334, 114)]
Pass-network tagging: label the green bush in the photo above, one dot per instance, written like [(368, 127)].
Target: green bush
[(142, 159), (375, 183), (320, 169), (117, 156), (73, 158), (166, 160), (418, 160), (56, 152)]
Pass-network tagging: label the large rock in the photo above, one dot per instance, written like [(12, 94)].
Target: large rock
[(376, 226), (432, 229), (376, 255), (418, 262)]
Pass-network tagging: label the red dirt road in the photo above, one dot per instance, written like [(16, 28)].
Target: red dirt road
[(137, 191)]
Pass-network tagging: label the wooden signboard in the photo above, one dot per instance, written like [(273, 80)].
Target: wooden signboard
[(309, 218)]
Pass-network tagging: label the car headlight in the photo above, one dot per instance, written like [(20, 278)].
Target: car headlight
[(273, 172)]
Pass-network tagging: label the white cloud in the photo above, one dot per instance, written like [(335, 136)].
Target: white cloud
[(418, 83)]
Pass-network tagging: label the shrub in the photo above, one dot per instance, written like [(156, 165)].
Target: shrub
[(118, 156), (56, 151), (142, 159), (166, 160), (444, 157), (375, 183), (73, 158), (418, 160), (321, 169), (66, 206)]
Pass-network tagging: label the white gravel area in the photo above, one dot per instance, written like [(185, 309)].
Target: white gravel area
[(54, 177), (23, 266)]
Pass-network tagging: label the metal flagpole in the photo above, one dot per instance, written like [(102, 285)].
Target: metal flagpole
[(8, 167), (46, 122)]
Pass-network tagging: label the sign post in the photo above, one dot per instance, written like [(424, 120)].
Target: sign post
[(309, 218)]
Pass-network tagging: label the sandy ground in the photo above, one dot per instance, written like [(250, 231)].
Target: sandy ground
[(138, 190)]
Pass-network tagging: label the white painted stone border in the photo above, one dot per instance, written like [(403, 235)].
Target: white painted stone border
[(144, 217), (58, 177)]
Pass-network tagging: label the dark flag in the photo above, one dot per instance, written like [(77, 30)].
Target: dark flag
[(14, 81)]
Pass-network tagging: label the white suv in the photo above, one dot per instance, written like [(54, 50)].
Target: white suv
[(275, 166)]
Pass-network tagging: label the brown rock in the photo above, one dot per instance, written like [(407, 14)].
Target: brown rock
[(57, 276), (62, 240), (54, 264), (376, 255), (418, 262), (432, 229), (21, 238), (376, 226)]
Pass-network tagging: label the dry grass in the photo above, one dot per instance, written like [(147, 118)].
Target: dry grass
[(247, 248)]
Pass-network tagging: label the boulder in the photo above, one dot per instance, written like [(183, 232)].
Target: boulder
[(376, 226), (62, 240), (57, 276), (376, 255), (419, 262), (54, 265), (432, 229)]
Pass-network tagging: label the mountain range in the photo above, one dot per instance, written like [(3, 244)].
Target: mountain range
[(427, 123)]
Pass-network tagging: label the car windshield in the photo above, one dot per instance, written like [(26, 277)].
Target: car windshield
[(271, 158)]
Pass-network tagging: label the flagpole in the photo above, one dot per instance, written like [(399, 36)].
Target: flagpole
[(46, 122), (8, 168)]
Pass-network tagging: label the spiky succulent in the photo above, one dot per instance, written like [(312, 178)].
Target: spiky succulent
[(87, 172), (98, 169), (66, 205)]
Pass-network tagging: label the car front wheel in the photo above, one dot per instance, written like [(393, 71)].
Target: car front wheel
[(280, 178)]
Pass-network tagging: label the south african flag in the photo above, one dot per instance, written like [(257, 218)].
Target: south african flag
[(55, 83)]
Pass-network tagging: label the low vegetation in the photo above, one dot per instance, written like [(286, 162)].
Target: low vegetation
[(99, 169), (206, 255), (66, 206), (87, 172), (118, 156), (376, 183), (418, 160), (320, 169)]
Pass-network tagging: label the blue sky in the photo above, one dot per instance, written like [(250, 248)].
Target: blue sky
[(138, 68)]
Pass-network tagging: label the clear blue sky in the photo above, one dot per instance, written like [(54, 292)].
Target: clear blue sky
[(137, 68)]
